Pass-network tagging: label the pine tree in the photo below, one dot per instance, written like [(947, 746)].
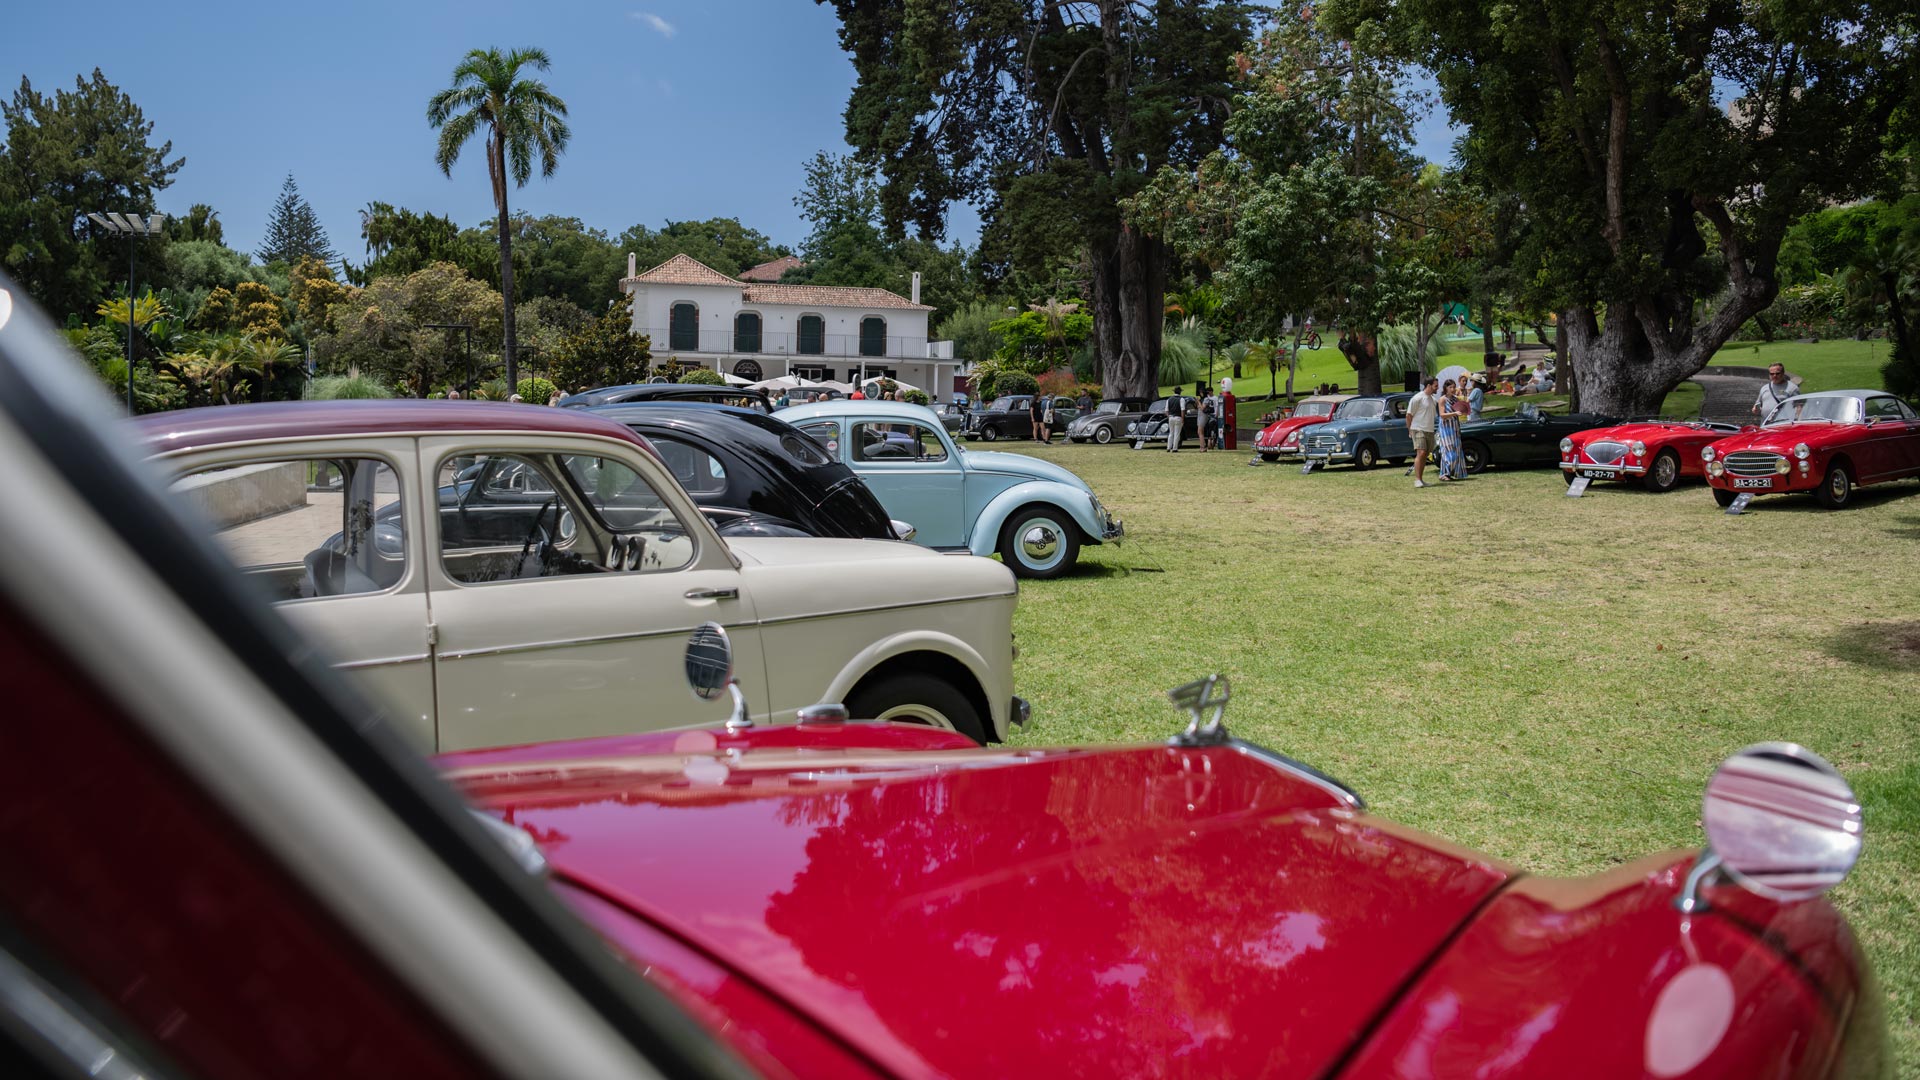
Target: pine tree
[(293, 230)]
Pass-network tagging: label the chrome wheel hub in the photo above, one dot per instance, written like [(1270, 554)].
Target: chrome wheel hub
[(1039, 543)]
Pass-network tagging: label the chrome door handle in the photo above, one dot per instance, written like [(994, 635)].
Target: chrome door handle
[(713, 594)]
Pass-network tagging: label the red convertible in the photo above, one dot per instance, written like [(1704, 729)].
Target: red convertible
[(1658, 453), (222, 861), (1828, 443), (1282, 437)]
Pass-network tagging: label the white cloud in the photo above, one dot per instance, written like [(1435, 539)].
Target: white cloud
[(665, 28)]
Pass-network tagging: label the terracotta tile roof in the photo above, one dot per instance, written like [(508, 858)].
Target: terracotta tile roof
[(685, 270), (771, 271), (829, 296)]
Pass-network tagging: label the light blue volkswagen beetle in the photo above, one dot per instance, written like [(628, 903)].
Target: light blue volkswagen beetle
[(1035, 514)]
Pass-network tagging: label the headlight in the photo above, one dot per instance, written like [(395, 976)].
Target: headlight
[(1782, 467), (1131, 427), (1706, 454), (1714, 468), (1639, 448), (1802, 451), (1566, 446)]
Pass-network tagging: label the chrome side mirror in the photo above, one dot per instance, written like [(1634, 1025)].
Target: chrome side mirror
[(710, 671), (902, 530), (1781, 822)]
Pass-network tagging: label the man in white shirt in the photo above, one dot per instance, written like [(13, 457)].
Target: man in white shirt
[(1777, 390), (1176, 419), (1423, 416)]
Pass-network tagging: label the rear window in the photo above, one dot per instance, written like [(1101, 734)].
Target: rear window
[(804, 450)]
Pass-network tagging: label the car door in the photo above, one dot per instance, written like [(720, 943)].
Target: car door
[(530, 649), (1886, 449), (328, 531), (1908, 458), (915, 471)]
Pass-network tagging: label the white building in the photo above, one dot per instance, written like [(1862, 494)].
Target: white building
[(698, 316)]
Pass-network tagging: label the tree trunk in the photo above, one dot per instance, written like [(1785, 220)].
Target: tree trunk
[(497, 155), (1138, 275), (1564, 372), (1363, 355), (1486, 327), (1106, 320), (1293, 358), (1619, 371)]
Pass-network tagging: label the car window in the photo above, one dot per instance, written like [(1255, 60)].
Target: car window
[(623, 502), (897, 440), (826, 433), (510, 517), (307, 527), (1906, 411), (1883, 408), (698, 471)]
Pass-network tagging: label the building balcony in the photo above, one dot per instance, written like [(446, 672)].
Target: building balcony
[(667, 342)]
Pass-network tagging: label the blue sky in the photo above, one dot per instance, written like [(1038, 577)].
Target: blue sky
[(680, 109)]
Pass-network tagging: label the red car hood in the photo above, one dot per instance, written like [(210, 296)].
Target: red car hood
[(1781, 440), (1277, 431), (1116, 912), (1648, 432)]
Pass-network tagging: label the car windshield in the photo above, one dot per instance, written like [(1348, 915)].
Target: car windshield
[(1838, 410), (1005, 405), (1315, 408), (1108, 406), (1362, 410)]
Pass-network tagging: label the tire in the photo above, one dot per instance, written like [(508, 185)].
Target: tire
[(1663, 474), (1039, 541), (1569, 476), (991, 433), (1476, 455), (1103, 434), (913, 698), (1366, 456), (1836, 488), (1724, 497)]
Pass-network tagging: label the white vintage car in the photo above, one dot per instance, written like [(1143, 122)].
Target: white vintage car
[(507, 574)]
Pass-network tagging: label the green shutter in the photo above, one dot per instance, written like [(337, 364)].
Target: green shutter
[(684, 332), (746, 332), (813, 335), (873, 336)]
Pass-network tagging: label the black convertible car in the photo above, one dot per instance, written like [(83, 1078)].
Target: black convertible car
[(1527, 439), (755, 475)]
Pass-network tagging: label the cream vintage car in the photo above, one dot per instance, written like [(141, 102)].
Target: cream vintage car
[(510, 573)]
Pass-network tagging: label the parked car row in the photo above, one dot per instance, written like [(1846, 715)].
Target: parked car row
[(226, 859), (1828, 443)]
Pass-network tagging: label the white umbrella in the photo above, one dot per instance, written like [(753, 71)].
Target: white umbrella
[(779, 382), (897, 383), (735, 380), (1455, 372)]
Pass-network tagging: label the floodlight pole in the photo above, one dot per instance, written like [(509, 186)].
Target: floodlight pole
[(131, 227)]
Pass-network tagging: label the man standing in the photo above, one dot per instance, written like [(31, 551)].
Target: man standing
[(1777, 390), (1176, 419), (1423, 416), (1084, 402)]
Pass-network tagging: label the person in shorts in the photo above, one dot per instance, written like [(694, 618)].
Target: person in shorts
[(1423, 419)]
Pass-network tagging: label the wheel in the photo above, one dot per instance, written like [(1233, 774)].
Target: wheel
[(1568, 476), (991, 433), (1663, 473), (1366, 456), (1039, 542), (912, 698), (1269, 458), (1103, 434), (1836, 490), (1477, 456), (1724, 497)]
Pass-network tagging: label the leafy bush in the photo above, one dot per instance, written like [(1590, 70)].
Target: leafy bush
[(917, 397), (491, 390), (994, 378), (537, 390), (1183, 356), (701, 376), (1399, 346), (344, 388)]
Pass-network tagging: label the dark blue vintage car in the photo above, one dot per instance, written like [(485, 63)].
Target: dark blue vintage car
[(1366, 431)]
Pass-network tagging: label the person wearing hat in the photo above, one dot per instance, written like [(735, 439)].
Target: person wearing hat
[(1476, 397)]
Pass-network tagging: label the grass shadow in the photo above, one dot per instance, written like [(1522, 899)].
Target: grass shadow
[(1906, 528), (1805, 503), (1882, 646)]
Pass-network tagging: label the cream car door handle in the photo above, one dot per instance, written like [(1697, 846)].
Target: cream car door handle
[(713, 594)]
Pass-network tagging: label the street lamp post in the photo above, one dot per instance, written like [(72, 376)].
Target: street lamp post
[(131, 227)]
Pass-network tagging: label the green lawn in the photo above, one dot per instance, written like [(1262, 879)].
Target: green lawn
[(1549, 680)]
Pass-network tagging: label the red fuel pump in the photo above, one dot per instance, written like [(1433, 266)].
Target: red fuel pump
[(1230, 439)]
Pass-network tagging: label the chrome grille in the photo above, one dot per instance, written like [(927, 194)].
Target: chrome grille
[(1606, 453), (1323, 442), (1753, 463)]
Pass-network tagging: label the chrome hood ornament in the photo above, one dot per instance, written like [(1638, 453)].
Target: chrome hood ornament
[(1196, 697)]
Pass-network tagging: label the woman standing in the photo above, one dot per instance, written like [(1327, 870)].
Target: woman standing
[(1448, 438)]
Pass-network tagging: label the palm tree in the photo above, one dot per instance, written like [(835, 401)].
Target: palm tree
[(521, 116), (266, 355)]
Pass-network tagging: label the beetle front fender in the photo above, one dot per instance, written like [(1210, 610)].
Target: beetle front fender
[(1075, 503)]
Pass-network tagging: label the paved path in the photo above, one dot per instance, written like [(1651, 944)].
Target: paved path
[(1729, 397)]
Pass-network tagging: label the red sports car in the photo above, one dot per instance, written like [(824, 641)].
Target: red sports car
[(1658, 453), (1828, 443), (1282, 437)]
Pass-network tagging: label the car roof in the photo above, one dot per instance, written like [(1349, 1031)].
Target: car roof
[(607, 395), (897, 410), (220, 425), (1845, 393), (1335, 398), (708, 418)]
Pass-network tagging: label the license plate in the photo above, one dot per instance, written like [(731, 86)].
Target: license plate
[(1597, 474), (1753, 481)]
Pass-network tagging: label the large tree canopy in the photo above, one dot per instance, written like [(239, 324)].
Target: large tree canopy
[(1042, 110), (78, 152), (1660, 151)]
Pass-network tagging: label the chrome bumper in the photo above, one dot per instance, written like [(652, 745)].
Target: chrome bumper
[(1339, 455), (1020, 713), (1113, 532), (1577, 467)]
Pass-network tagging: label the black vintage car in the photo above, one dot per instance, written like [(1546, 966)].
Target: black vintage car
[(755, 475), (1151, 428), (1526, 440), (1008, 418), (718, 395)]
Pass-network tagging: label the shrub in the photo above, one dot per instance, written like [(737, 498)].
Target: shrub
[(701, 376), (918, 397), (537, 390), (344, 388), (993, 379), (1183, 356)]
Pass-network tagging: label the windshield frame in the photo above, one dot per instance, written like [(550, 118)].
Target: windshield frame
[(1852, 410)]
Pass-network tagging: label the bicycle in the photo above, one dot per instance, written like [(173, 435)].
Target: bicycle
[(1310, 340)]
